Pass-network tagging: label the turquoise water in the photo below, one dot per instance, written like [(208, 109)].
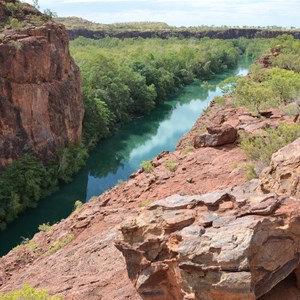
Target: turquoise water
[(120, 155)]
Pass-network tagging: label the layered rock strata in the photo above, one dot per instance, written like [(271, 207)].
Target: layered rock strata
[(229, 244), (41, 105), (283, 174)]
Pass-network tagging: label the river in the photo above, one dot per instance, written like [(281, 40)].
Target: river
[(115, 158)]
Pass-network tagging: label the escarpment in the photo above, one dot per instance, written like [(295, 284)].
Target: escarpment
[(41, 105), (231, 33), (212, 235)]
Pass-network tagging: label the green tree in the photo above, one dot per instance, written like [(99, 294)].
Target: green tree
[(36, 4)]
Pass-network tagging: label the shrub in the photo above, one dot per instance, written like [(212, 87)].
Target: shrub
[(171, 165), (292, 109), (28, 293), (250, 171), (71, 159), (46, 227), (14, 23), (60, 244), (147, 166), (50, 14), (261, 146), (16, 44), (234, 166), (30, 245), (220, 101), (267, 89), (12, 7), (187, 150), (120, 181), (78, 205), (144, 203)]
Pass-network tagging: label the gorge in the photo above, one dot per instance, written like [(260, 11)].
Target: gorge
[(213, 212), (116, 158)]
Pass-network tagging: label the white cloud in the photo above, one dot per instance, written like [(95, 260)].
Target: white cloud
[(178, 12)]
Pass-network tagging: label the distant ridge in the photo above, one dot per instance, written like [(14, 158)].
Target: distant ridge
[(79, 27)]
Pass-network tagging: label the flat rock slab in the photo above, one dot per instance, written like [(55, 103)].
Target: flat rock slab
[(190, 247)]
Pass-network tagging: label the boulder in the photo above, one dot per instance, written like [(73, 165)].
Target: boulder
[(229, 244), (216, 136), (283, 174)]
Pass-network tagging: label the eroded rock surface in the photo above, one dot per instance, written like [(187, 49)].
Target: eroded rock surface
[(283, 175), (216, 136), (229, 244), (41, 105), (91, 267)]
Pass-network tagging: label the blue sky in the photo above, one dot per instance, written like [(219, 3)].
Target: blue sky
[(182, 13)]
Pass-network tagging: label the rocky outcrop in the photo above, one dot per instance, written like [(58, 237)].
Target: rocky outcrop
[(237, 243), (266, 59), (90, 267), (219, 225), (216, 136), (229, 244), (41, 105), (219, 125), (283, 174)]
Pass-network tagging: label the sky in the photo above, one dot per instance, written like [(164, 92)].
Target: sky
[(285, 13)]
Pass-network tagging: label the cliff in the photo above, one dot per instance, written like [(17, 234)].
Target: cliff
[(81, 250), (212, 235), (41, 105), (231, 33)]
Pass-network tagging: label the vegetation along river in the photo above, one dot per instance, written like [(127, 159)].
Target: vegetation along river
[(115, 158)]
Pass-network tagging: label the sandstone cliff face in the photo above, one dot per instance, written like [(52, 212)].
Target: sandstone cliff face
[(41, 105), (229, 244), (283, 174)]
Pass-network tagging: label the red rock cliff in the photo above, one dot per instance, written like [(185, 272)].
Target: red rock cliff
[(41, 105)]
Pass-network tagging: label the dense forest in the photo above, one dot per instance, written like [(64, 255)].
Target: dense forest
[(122, 80), (127, 78)]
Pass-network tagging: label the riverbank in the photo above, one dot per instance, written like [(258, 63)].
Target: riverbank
[(180, 244), (93, 228), (82, 244), (119, 156)]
